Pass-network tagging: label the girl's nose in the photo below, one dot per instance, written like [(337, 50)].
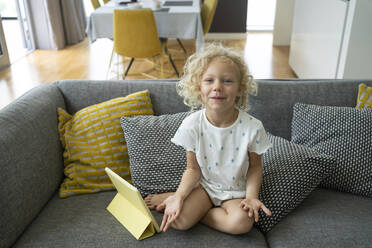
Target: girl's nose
[(217, 85)]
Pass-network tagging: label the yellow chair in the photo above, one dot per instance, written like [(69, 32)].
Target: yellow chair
[(136, 36), (207, 13), (96, 3)]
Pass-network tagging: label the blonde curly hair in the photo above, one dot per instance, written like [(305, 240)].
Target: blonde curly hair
[(195, 66)]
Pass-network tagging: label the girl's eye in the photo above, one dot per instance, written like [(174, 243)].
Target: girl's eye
[(209, 80), (227, 81)]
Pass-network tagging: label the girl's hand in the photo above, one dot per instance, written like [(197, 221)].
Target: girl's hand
[(252, 205), (173, 206)]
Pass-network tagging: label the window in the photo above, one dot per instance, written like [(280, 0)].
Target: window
[(261, 15)]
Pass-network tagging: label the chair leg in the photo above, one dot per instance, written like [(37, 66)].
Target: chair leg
[(118, 58), (165, 51), (173, 65), (161, 66), (109, 68), (127, 70), (180, 43)]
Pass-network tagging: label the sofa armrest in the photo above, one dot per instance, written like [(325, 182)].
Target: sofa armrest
[(31, 162)]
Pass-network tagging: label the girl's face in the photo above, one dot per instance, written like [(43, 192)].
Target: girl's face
[(220, 85)]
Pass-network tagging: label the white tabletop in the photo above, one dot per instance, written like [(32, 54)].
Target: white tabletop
[(182, 22)]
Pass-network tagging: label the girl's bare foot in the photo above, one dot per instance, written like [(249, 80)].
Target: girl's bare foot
[(153, 201)]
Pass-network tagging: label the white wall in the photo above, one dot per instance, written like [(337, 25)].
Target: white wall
[(283, 22), (356, 53)]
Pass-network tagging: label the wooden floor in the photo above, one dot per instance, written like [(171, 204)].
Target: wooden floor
[(90, 61)]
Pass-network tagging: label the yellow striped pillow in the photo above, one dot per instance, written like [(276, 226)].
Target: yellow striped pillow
[(93, 139), (364, 97)]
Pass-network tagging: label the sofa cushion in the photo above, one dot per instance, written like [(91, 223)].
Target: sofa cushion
[(364, 97), (156, 163), (93, 139), (83, 221), (327, 218), (344, 133), (290, 173)]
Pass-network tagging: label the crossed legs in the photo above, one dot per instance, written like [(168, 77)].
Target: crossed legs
[(228, 218)]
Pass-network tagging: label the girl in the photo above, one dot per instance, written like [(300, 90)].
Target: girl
[(223, 147)]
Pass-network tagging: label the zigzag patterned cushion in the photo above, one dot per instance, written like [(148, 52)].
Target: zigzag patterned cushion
[(364, 97), (156, 163), (290, 173), (93, 139), (344, 133)]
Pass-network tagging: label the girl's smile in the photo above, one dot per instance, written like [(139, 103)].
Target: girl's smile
[(218, 98)]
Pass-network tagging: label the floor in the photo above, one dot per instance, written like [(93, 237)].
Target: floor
[(87, 60)]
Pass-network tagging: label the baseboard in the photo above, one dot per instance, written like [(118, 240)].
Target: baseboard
[(226, 36)]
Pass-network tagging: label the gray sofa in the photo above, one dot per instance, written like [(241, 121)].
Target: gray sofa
[(31, 170)]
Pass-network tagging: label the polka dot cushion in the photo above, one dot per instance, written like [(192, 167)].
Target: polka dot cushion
[(156, 163), (344, 133), (290, 173)]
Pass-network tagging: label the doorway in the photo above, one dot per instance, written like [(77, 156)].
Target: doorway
[(16, 29), (88, 7), (4, 57), (261, 15)]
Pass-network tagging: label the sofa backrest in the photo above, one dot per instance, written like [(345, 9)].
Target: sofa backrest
[(79, 94), (274, 102)]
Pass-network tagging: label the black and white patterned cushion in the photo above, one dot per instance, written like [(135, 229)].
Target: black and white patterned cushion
[(290, 173), (156, 163), (344, 133)]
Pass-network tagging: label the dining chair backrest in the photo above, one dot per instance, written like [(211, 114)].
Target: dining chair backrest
[(207, 14), (135, 33), (95, 3)]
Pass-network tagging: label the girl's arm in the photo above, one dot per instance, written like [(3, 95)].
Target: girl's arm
[(254, 176), (251, 203), (173, 204), (190, 177)]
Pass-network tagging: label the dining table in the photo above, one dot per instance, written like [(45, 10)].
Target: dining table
[(174, 19)]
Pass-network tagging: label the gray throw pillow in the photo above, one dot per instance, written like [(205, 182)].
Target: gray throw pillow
[(344, 133), (156, 163), (290, 173)]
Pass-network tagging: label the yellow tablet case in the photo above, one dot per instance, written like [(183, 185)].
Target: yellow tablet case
[(130, 210)]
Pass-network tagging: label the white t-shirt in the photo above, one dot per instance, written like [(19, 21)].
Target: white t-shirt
[(222, 153)]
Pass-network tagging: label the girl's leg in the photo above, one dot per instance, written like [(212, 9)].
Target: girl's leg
[(152, 201), (194, 208), (229, 218)]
